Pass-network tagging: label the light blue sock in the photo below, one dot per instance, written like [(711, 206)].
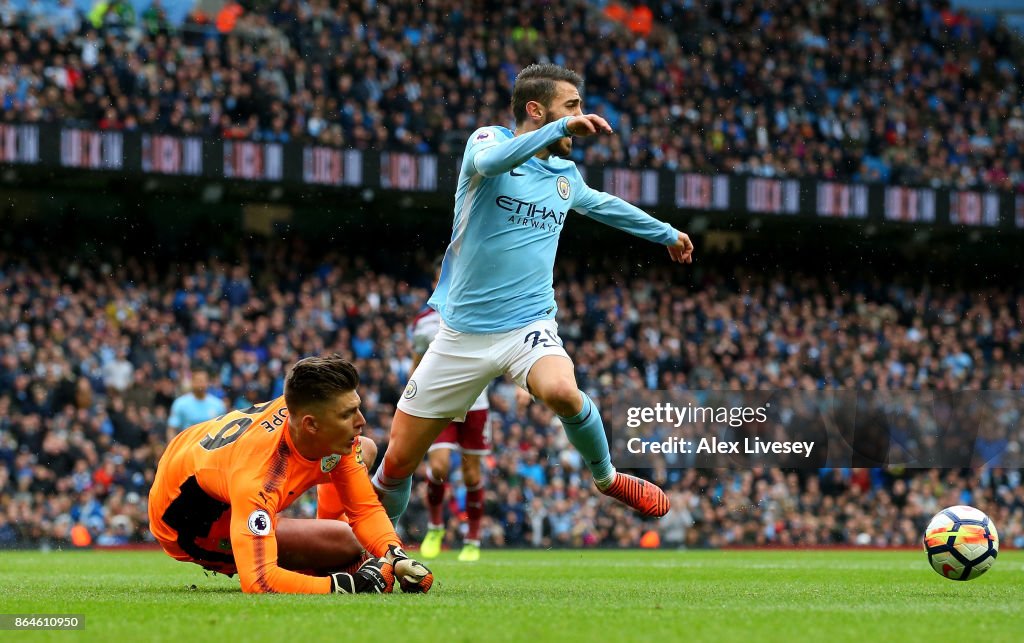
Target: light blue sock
[(586, 432), (394, 494)]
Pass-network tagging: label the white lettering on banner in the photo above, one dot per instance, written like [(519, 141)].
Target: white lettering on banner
[(322, 165), (635, 186), (842, 201), (253, 161), (398, 171), (773, 196), (19, 144), (910, 204), (428, 173), (171, 155), (193, 156), (973, 208), (401, 171), (91, 150), (275, 162), (332, 166), (702, 192), (353, 168)]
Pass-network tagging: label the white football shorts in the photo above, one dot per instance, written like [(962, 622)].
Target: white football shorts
[(458, 366)]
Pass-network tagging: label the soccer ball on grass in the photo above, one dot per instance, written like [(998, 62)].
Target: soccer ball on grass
[(961, 543)]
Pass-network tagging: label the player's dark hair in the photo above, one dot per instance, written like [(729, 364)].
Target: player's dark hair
[(314, 380), (538, 82)]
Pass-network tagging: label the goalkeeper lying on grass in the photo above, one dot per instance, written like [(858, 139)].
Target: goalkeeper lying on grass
[(220, 486)]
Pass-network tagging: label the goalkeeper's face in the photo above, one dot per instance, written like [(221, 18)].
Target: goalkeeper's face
[(338, 423), (567, 102)]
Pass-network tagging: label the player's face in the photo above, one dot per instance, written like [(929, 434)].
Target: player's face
[(200, 382), (567, 102), (340, 423)]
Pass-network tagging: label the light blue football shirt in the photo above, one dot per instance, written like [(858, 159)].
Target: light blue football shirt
[(188, 410), (510, 208)]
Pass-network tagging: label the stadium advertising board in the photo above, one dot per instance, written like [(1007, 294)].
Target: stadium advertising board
[(88, 150), (841, 201), (253, 161), (19, 144), (702, 192), (772, 196), (165, 155), (639, 187), (323, 165), (974, 208), (408, 172), (911, 205), (171, 155)]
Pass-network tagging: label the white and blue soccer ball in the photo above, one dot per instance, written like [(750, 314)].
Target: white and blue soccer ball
[(961, 543)]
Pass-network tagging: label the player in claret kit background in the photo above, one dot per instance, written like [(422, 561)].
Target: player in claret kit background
[(495, 295), (471, 437), (221, 484)]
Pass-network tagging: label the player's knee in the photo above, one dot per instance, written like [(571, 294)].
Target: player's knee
[(563, 397), (471, 471), (438, 472), (397, 466), (369, 450), (471, 478)]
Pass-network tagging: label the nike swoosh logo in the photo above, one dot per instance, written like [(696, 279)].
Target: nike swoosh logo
[(514, 173)]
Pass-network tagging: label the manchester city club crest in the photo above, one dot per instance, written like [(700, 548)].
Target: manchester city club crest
[(563, 187), (410, 390)]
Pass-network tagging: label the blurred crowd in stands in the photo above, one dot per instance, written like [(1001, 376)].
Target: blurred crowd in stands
[(894, 91), (94, 353)]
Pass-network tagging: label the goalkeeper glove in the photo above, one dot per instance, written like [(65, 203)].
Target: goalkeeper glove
[(373, 577), (413, 576)]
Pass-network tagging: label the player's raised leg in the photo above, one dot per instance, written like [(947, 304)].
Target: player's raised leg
[(439, 464), (552, 380)]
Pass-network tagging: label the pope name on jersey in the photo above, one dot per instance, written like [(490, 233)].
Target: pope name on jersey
[(510, 209)]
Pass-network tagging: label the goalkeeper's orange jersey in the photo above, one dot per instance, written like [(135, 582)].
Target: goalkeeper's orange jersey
[(220, 485)]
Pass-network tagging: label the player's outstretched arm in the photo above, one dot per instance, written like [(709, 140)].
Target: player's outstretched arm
[(254, 546), (613, 211), (494, 159), (488, 158)]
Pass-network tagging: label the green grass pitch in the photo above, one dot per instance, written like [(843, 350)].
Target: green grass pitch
[(537, 596)]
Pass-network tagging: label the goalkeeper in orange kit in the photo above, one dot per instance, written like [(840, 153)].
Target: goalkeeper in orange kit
[(221, 484)]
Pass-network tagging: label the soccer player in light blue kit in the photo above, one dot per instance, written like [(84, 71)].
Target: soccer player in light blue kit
[(495, 294)]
